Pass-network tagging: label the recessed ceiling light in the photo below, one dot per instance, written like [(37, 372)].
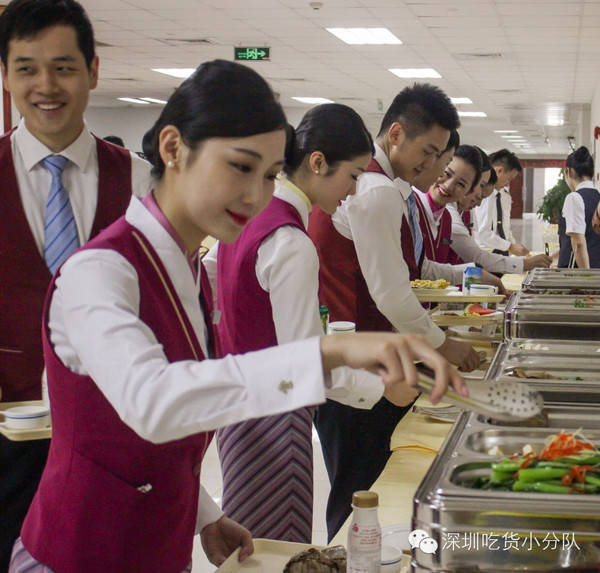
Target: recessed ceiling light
[(414, 72), (312, 100), (506, 131), (175, 72), (472, 114), (460, 100), (154, 100), (512, 137), (365, 35), (134, 100), (555, 122)]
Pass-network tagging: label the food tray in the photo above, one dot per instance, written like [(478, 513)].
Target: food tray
[(441, 295), (443, 317), (445, 507), (584, 279), (269, 557), (18, 435)]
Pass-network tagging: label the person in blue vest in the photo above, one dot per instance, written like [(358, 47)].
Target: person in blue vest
[(579, 245)]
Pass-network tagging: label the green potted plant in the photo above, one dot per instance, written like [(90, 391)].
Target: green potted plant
[(551, 207)]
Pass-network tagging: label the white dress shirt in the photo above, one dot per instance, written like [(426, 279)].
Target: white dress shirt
[(465, 246), (287, 267), (159, 400), (372, 219), (80, 179), (574, 210), (487, 221)]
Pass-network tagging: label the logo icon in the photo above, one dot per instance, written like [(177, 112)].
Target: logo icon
[(419, 539)]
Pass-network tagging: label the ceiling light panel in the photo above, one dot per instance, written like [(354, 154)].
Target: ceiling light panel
[(133, 100), (460, 100), (472, 114), (312, 100), (175, 72), (412, 73), (357, 36)]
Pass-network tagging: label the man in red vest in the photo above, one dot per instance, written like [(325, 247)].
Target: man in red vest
[(369, 251), (61, 186)]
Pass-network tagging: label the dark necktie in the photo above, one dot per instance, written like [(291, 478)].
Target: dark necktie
[(499, 216)]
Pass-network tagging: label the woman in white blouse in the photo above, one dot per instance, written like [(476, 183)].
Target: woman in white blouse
[(128, 341), (579, 245)]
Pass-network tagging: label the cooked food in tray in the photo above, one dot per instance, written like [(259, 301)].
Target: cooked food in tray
[(541, 375), (567, 464), (424, 283), (329, 560)]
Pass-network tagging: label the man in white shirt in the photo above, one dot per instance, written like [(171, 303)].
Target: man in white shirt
[(49, 66), (493, 216), (365, 277)]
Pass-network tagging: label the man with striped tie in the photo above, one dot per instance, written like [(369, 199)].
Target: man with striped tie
[(60, 186), (369, 251)]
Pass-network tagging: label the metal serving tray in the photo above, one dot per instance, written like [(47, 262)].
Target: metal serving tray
[(526, 317), (565, 371), (585, 280), (496, 531)]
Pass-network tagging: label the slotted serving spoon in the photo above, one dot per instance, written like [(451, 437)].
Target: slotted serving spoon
[(502, 400)]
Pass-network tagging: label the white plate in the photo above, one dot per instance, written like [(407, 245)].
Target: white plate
[(462, 331), (396, 535), (446, 290)]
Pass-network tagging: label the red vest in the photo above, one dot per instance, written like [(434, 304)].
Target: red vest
[(25, 276), (436, 248), (342, 286), (88, 513), (246, 314)]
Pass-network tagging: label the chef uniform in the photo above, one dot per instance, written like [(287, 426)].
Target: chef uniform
[(133, 402), (267, 284), (368, 256)]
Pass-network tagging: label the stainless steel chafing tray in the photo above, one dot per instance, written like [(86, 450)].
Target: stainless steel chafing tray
[(564, 281), (497, 531), (568, 317), (562, 370)]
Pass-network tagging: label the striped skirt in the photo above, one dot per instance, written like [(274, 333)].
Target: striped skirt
[(267, 468), (22, 561)]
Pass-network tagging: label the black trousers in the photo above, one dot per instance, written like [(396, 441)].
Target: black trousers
[(356, 448), (21, 466)]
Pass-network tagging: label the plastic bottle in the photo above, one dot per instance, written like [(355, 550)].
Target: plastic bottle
[(364, 534), (324, 314)]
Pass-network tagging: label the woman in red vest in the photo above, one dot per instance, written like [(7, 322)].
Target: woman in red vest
[(127, 334), (268, 292)]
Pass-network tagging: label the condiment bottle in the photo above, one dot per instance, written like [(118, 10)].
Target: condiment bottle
[(364, 534), (324, 314)]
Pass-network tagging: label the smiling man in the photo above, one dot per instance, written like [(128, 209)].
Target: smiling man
[(369, 251), (60, 186)]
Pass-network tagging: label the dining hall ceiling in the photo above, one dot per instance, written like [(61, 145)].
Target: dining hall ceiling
[(531, 66)]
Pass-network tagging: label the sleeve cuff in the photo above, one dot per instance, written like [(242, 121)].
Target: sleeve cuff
[(356, 388), (435, 337)]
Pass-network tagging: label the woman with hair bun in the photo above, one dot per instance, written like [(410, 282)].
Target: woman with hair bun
[(128, 341), (579, 245), (268, 292)]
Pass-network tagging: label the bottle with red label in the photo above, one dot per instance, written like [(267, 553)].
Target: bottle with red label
[(364, 534)]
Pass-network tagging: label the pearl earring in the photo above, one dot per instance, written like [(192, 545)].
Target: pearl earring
[(316, 171), (171, 164)]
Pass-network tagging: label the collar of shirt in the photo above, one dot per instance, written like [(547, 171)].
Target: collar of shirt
[(292, 194), (149, 201), (585, 185), (33, 150), (433, 221), (436, 209), (383, 160)]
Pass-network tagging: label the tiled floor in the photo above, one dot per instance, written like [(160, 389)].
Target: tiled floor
[(212, 481)]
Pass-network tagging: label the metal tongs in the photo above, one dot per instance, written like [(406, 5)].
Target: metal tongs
[(502, 400)]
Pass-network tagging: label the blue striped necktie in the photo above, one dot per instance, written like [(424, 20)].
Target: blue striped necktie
[(416, 229), (59, 225)]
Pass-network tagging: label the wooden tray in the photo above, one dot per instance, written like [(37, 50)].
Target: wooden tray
[(271, 556), (23, 435), (442, 319), (433, 295)]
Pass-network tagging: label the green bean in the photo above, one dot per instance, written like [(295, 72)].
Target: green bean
[(500, 477), (507, 465), (592, 479), (547, 487), (541, 474)]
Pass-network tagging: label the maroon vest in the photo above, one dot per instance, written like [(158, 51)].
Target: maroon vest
[(247, 316), (88, 513), (25, 276), (342, 286), (436, 248)]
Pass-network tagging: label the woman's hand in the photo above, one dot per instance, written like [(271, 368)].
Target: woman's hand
[(392, 356), (221, 538)]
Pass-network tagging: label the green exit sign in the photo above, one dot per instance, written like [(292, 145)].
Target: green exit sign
[(251, 53)]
